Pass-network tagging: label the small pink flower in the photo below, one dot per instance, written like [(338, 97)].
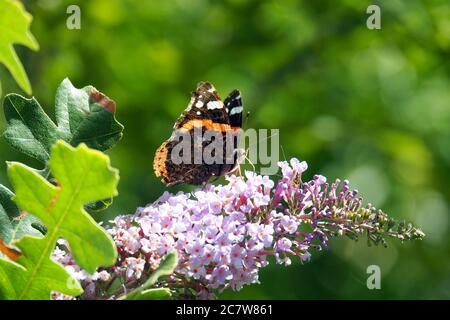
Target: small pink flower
[(208, 254), (237, 254), (211, 233), (102, 275), (166, 245), (298, 167), (289, 223), (267, 183), (197, 248), (197, 272), (247, 207), (134, 267), (286, 170), (320, 179), (222, 273), (284, 244), (215, 206), (305, 256), (265, 234)]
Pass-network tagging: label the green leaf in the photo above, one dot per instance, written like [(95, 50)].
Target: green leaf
[(33, 276), (14, 25), (144, 292), (82, 115), (83, 175), (29, 130), (154, 294), (166, 268), (13, 223), (98, 206), (86, 115), (7, 212)]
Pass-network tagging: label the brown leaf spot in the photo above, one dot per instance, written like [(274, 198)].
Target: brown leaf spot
[(102, 100), (53, 200), (22, 215), (14, 255)]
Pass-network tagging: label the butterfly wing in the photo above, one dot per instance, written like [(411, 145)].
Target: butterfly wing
[(205, 111), (234, 108), (206, 105)]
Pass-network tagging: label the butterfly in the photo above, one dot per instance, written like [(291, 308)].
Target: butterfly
[(217, 122)]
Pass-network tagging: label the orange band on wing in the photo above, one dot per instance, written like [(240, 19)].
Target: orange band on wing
[(209, 125)]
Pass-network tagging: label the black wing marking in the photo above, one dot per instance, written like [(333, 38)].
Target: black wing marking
[(234, 108), (205, 104)]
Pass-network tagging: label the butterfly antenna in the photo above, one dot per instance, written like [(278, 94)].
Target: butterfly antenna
[(267, 138), (247, 150), (246, 119), (239, 170), (248, 159), (282, 150)]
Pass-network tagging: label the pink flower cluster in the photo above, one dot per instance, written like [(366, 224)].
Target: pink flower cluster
[(223, 234), (220, 238)]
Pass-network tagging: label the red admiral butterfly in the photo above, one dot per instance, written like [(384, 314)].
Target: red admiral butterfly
[(205, 112)]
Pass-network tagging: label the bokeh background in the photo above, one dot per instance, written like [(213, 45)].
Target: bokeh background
[(369, 105)]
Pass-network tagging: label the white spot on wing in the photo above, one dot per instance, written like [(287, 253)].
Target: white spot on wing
[(214, 105), (199, 104), (199, 113), (236, 110)]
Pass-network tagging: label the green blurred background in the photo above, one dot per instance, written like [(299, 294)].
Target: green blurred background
[(369, 105)]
